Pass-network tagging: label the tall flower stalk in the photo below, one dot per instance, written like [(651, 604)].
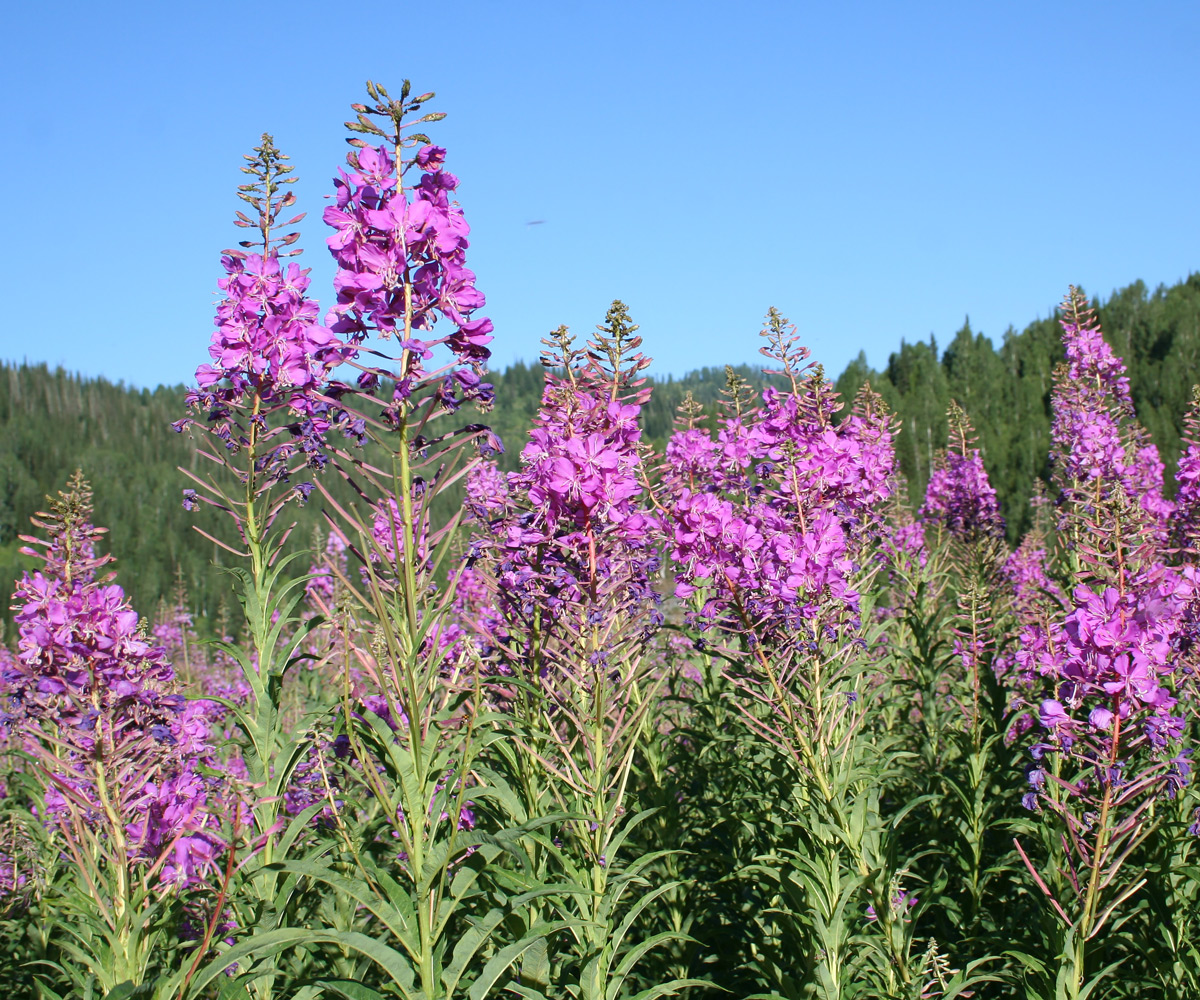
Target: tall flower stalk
[(948, 636), (264, 427), (562, 621), (258, 407), (1109, 748), (118, 757), (770, 527)]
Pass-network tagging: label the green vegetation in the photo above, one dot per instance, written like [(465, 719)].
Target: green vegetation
[(52, 422), (1006, 391)]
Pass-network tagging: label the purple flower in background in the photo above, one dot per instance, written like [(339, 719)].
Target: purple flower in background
[(767, 517), (88, 690), (1025, 571), (960, 497), (901, 902), (321, 589), (1185, 526)]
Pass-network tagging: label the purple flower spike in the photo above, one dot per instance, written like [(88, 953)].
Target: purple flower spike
[(88, 691), (401, 259), (767, 517)]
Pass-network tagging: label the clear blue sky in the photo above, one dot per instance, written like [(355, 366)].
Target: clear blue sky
[(876, 171)]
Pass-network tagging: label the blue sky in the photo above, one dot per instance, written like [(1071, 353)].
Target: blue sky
[(876, 171)]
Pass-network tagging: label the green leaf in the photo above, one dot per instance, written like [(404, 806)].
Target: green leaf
[(128, 990), (349, 989), (535, 965), (388, 960), (673, 987), (503, 960)]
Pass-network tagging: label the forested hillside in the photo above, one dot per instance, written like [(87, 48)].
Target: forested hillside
[(52, 422), (1005, 389)]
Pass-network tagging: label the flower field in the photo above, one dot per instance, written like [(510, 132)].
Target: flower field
[(737, 717)]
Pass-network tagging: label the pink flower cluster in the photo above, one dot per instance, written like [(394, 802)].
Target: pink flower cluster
[(1114, 672), (77, 636), (581, 465), (387, 532), (268, 338), (269, 350), (764, 517), (1025, 573), (401, 258), (569, 529), (1094, 448), (1113, 652), (88, 685), (960, 497)]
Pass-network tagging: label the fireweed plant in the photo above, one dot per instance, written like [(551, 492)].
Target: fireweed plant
[(947, 611), (771, 527), (727, 717), (261, 426), (117, 768), (1110, 674), (562, 615)]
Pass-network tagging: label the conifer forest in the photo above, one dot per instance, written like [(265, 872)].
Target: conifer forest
[(357, 670)]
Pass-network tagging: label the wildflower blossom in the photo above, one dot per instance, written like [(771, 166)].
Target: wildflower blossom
[(568, 530), (768, 530), (1097, 452), (89, 687), (960, 497), (401, 264), (268, 340)]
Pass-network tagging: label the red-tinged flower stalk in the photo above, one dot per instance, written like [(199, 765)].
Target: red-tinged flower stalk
[(260, 398), (267, 417), (400, 246), (1107, 656)]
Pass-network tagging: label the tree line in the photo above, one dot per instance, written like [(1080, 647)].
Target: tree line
[(52, 422), (1006, 390)]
